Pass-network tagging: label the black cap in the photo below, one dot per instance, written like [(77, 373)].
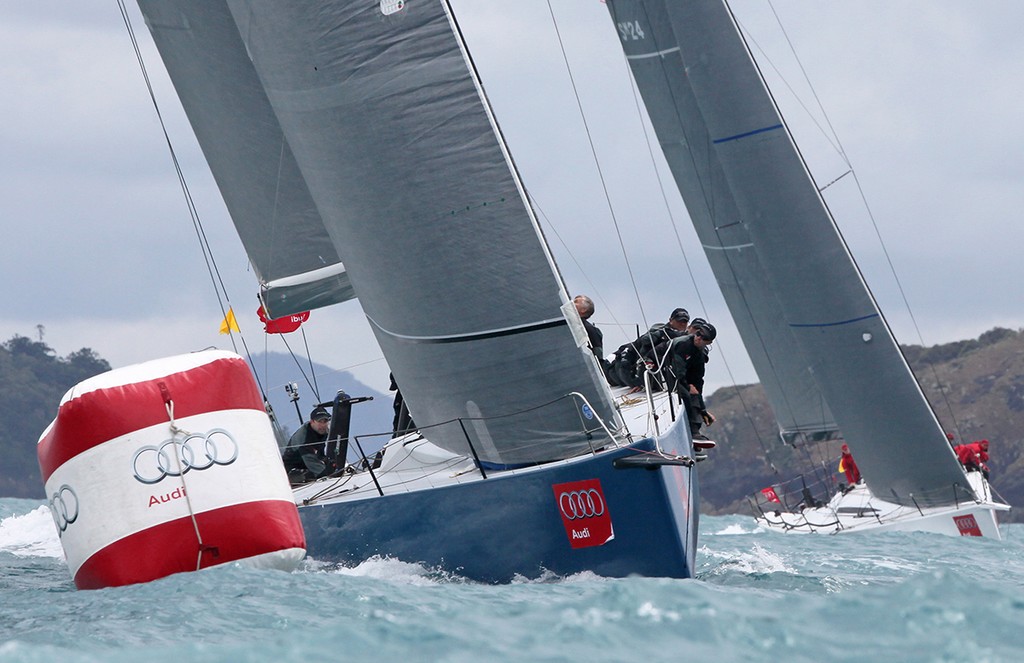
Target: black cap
[(697, 322), (706, 330), (680, 315), (319, 414)]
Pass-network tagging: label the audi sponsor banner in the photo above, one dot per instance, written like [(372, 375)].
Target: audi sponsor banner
[(967, 525), (584, 513)]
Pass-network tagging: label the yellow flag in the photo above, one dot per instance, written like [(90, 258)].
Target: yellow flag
[(841, 468), (229, 324)]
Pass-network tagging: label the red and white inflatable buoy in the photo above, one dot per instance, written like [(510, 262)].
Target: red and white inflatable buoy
[(164, 467)]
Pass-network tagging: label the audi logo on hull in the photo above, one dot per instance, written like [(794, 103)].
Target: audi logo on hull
[(581, 504), (584, 512), (173, 458)]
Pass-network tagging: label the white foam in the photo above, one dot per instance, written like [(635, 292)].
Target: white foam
[(31, 535), (736, 529), (657, 615), (385, 568), (755, 561)]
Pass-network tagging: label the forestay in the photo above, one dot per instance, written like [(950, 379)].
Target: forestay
[(391, 134), (755, 205), (265, 193)]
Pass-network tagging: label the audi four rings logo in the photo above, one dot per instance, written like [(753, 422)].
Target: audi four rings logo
[(64, 507), (581, 504), (196, 452)]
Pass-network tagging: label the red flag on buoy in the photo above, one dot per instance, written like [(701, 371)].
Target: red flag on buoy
[(282, 325)]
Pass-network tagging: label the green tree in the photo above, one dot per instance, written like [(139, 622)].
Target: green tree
[(33, 379)]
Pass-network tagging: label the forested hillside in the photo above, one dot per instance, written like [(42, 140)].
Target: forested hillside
[(975, 386), (32, 381)]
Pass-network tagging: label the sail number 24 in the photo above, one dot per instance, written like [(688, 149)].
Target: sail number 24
[(630, 31)]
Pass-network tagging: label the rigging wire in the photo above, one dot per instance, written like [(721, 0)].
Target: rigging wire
[(220, 290), (309, 381), (600, 172), (586, 277), (305, 342)]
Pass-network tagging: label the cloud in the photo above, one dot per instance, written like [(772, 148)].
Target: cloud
[(100, 249)]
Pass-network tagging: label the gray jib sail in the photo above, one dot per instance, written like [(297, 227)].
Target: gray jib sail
[(390, 132), (276, 218), (657, 67), (821, 297)]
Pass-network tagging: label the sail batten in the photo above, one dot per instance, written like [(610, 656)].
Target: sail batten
[(812, 329)]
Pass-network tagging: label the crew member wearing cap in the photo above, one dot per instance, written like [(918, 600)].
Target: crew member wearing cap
[(649, 350), (679, 320), (696, 369), (688, 356), (655, 343), (305, 455)]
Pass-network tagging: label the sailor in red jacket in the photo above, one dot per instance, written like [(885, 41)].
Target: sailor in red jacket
[(849, 467), (981, 449), (973, 456)]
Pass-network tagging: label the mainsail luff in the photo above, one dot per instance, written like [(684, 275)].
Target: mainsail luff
[(251, 161), (859, 369), (402, 159)]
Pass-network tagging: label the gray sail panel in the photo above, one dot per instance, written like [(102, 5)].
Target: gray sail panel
[(268, 200), (784, 372), (858, 367), (898, 443), (402, 158)]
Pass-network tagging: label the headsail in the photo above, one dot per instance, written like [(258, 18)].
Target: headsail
[(268, 199), (405, 164), (746, 186), (799, 407)]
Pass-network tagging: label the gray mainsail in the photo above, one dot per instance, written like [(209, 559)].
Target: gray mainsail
[(252, 163), (745, 185), (404, 162)]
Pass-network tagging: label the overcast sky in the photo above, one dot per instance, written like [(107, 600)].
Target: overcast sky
[(926, 98)]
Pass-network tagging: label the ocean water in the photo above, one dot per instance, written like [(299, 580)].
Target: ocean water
[(759, 596)]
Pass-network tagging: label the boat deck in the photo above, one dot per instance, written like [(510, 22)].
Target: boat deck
[(411, 462), (858, 510)]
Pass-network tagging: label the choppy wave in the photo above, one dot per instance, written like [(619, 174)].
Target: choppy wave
[(758, 596)]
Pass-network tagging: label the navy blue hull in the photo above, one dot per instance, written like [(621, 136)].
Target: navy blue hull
[(509, 525)]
